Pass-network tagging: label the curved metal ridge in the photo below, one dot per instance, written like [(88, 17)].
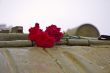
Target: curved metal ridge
[(21, 40), (70, 42), (10, 64)]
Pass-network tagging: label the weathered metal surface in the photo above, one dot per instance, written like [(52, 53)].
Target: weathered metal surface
[(69, 42), (13, 36), (59, 59), (17, 29), (86, 30), (16, 43)]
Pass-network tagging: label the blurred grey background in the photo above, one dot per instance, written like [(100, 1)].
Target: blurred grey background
[(64, 13)]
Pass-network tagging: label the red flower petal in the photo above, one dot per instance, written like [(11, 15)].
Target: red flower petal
[(42, 39), (54, 31), (45, 41)]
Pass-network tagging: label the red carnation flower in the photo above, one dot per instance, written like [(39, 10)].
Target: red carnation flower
[(33, 32), (44, 40), (54, 31)]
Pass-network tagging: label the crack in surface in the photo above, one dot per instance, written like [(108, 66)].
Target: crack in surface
[(55, 60)]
